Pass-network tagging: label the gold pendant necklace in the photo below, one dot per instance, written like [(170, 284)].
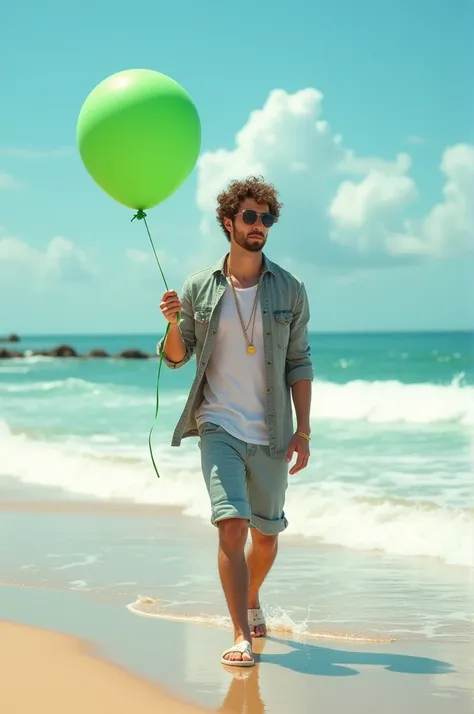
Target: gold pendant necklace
[(251, 349)]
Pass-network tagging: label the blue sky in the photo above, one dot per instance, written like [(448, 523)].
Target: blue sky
[(370, 108)]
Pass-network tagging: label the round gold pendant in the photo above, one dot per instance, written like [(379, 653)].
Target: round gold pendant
[(251, 350)]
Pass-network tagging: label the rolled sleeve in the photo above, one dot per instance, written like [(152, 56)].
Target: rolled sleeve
[(186, 328), (298, 358)]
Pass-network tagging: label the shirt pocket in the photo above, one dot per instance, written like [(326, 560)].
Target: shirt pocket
[(282, 321), (202, 318)]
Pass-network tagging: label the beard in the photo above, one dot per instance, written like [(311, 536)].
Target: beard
[(253, 241)]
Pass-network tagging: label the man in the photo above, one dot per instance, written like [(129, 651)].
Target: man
[(245, 319)]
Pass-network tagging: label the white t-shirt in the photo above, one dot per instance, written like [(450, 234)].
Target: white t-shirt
[(234, 391)]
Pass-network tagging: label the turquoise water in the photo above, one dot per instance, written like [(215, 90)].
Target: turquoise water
[(381, 534), (392, 421)]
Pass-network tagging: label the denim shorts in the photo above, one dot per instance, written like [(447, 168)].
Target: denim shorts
[(243, 480)]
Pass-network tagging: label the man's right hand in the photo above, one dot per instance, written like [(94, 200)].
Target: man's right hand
[(170, 306)]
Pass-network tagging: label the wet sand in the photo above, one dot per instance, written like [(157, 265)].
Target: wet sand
[(139, 662)]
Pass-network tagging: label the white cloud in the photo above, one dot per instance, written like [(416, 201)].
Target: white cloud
[(448, 229), (60, 261), (363, 214), (283, 138), (414, 139), (144, 268), (291, 146), (7, 181), (137, 256), (340, 208), (357, 204), (142, 257), (362, 165), (373, 210)]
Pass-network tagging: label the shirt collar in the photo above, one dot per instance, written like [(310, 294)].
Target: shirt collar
[(268, 265)]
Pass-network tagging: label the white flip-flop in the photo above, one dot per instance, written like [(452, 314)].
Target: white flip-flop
[(255, 617), (243, 647)]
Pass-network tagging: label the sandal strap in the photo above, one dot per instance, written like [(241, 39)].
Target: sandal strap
[(242, 647), (255, 616)]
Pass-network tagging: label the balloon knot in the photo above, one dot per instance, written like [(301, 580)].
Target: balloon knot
[(139, 215)]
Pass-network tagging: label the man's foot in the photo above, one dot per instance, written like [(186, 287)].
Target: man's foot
[(239, 655), (257, 624)]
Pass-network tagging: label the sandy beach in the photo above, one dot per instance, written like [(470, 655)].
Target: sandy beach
[(46, 671)]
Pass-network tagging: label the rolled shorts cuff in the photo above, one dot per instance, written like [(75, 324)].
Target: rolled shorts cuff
[(230, 510), (267, 526)]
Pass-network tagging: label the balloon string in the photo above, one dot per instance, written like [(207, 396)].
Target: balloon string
[(141, 216)]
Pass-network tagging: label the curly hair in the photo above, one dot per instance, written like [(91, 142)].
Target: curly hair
[(229, 200)]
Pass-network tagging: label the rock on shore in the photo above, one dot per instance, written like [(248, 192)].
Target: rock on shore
[(68, 352), (6, 354)]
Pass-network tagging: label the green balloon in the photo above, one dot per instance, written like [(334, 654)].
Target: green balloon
[(139, 136)]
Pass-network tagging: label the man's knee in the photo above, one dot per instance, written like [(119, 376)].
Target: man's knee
[(233, 533), (265, 544)]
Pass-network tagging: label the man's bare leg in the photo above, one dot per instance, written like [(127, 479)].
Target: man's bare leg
[(260, 558), (234, 576)]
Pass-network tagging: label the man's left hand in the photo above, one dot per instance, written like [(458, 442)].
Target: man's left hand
[(300, 446)]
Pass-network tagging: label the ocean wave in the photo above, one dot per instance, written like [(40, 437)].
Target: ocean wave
[(277, 620), (394, 526), (30, 358), (393, 402), (330, 511), (377, 402), (56, 385), (109, 395)]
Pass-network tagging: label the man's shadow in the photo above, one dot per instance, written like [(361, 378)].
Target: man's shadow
[(244, 697), (329, 662)]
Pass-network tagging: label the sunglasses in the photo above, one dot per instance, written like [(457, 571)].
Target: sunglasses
[(250, 217)]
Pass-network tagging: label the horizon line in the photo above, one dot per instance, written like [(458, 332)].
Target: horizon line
[(406, 331)]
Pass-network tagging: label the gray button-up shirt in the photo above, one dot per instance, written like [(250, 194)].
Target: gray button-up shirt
[(285, 316)]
